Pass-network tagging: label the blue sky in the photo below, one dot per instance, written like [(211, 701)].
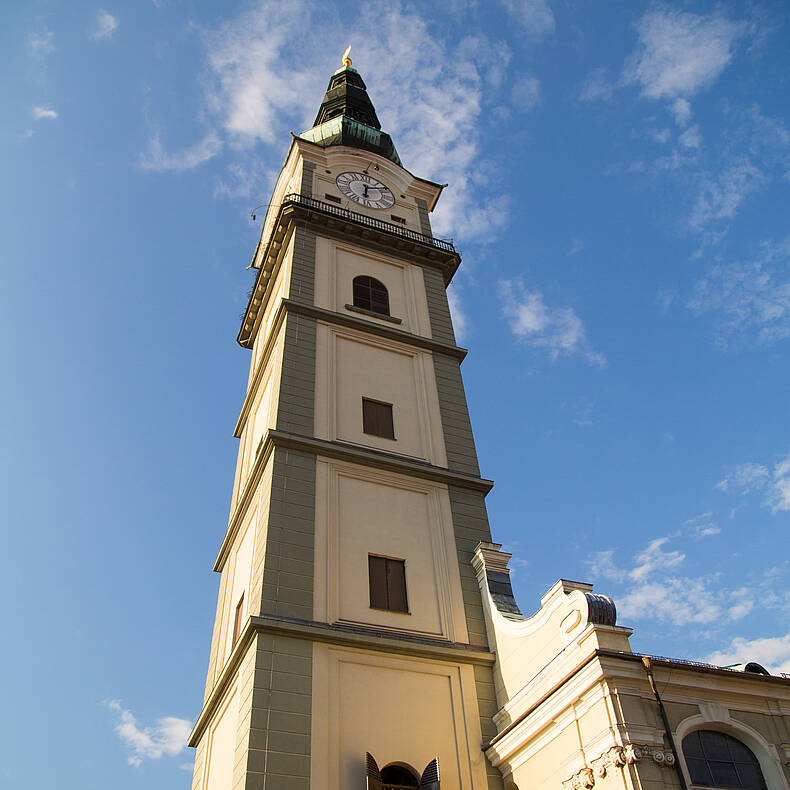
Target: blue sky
[(618, 186)]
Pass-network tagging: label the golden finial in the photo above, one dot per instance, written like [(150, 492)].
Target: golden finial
[(346, 59)]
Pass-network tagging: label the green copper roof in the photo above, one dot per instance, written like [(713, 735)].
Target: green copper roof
[(347, 131), (347, 117)]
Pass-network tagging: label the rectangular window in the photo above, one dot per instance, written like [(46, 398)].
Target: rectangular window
[(397, 219), (377, 419), (387, 580), (333, 198), (237, 619)]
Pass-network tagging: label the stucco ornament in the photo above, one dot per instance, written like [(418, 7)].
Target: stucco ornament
[(633, 754), (616, 756), (658, 757), (584, 779)]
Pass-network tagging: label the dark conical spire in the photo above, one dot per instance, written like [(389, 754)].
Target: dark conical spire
[(347, 116)]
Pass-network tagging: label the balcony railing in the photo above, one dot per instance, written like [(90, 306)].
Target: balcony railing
[(371, 222)]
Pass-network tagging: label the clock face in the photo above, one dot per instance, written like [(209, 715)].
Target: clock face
[(365, 190)]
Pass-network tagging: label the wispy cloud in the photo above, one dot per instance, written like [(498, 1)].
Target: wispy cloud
[(652, 586), (41, 43), (104, 25), (525, 94), (772, 652), (40, 113), (558, 330), (159, 160), (772, 484), (702, 526), (460, 317), (535, 16), (721, 196), (597, 85), (680, 53), (252, 100), (167, 738), (751, 299)]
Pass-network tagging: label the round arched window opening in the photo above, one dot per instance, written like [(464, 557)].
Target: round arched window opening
[(398, 777), (715, 759), (370, 294)]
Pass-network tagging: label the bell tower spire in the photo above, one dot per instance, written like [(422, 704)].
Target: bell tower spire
[(347, 115)]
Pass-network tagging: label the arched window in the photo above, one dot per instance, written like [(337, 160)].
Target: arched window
[(370, 294), (715, 759), (398, 777)]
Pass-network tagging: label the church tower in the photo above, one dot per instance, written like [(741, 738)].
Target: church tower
[(349, 647)]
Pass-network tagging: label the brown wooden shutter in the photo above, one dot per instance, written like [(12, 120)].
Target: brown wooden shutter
[(396, 586), (377, 578), (377, 419), (373, 773), (430, 776), (237, 619)]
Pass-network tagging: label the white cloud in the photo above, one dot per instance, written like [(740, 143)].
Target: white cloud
[(577, 246), (105, 25), (681, 109), (744, 478), (41, 43), (525, 94), (597, 85), (535, 16), (750, 298), (168, 736), (159, 160), (268, 67), (460, 318), (557, 329), (652, 587), (773, 484), (720, 197), (40, 113), (772, 652), (691, 138), (702, 526), (680, 53)]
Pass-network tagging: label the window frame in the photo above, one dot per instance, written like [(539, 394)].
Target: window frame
[(237, 622)]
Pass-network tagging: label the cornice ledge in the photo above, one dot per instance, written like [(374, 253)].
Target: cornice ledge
[(359, 638), (379, 459), (365, 638), (408, 338)]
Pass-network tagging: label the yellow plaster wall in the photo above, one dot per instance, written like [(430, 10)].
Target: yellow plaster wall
[(338, 263), (398, 709), (362, 511), (351, 365)]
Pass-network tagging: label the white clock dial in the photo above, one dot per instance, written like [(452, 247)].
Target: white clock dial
[(365, 190)]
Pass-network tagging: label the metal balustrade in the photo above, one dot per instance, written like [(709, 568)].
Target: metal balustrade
[(371, 222)]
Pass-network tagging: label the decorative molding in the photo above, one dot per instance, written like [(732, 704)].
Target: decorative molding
[(617, 757)]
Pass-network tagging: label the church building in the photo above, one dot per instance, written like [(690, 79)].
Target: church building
[(366, 635)]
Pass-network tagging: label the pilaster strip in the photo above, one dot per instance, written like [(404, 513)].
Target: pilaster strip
[(438, 307), (308, 170), (288, 570), (458, 439), (422, 213)]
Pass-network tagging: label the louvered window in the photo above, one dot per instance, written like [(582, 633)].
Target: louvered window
[(399, 776), (387, 578), (370, 294)]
